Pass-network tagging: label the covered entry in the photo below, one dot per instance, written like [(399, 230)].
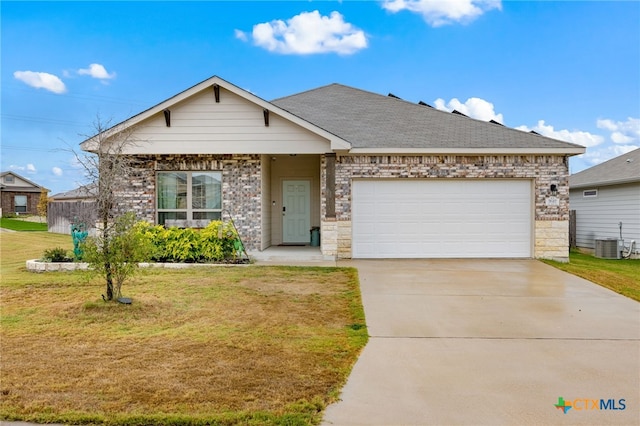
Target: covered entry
[(438, 218), (291, 198)]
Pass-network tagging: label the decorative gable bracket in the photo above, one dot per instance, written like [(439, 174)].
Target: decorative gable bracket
[(216, 92)]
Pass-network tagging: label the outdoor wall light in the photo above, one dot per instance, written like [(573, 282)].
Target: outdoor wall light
[(554, 189)]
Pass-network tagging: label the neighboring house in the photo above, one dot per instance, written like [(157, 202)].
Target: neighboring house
[(604, 196), (381, 177), (18, 195), (81, 193), (77, 205)]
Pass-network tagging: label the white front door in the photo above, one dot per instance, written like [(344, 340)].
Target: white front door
[(296, 206)]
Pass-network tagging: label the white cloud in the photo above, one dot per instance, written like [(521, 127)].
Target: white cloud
[(241, 35), (41, 80), (440, 12), (622, 132), (574, 136), (473, 107), (29, 168), (97, 71), (56, 171), (308, 33)]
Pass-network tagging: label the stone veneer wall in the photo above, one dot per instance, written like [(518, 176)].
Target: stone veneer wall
[(241, 182), (551, 222)]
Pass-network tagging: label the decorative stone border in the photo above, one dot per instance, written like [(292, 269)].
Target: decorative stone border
[(36, 265)]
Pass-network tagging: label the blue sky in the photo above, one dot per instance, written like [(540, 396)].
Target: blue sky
[(566, 69)]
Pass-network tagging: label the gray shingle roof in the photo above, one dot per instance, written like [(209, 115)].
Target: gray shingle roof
[(621, 169), (373, 121), (82, 192)]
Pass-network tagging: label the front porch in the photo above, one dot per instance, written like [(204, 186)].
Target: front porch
[(290, 198)]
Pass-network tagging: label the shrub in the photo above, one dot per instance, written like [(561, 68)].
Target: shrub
[(217, 242), (155, 239), (57, 254), (183, 245)]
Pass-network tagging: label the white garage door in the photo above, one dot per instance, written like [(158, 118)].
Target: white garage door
[(441, 218)]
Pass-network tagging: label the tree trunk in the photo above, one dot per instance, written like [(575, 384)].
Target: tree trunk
[(109, 282), (106, 254)]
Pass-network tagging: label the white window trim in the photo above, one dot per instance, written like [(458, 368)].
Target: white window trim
[(590, 193), (189, 210), (9, 179)]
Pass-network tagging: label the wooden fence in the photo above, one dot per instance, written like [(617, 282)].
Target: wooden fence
[(60, 215)]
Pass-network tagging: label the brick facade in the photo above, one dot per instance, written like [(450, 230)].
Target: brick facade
[(551, 221), (8, 202), (241, 182)]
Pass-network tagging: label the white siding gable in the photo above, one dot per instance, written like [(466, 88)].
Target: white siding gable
[(235, 125), (17, 182)]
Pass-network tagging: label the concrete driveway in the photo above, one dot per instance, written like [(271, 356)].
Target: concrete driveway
[(490, 342)]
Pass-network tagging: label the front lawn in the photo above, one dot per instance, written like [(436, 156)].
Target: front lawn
[(22, 225), (214, 345), (619, 275)]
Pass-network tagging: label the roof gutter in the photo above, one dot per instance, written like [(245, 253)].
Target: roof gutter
[(603, 183)]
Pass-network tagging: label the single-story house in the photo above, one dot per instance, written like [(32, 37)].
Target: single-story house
[(381, 177), (81, 193), (19, 195), (606, 198)]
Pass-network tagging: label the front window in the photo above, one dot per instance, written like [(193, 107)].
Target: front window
[(20, 203), (189, 195)]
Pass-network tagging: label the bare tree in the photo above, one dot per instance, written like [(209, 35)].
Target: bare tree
[(106, 167)]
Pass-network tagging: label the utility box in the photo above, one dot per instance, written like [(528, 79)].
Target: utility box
[(608, 248)]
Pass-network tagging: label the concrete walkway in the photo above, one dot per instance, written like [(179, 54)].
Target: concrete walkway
[(292, 256), (490, 342)]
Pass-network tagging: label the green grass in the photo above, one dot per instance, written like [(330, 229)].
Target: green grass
[(22, 225), (218, 345), (621, 276)]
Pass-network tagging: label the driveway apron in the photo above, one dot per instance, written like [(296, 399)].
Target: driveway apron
[(490, 342)]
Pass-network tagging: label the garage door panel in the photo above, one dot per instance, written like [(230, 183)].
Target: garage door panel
[(443, 218)]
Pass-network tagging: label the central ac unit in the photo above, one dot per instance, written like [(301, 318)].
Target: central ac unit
[(608, 248)]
